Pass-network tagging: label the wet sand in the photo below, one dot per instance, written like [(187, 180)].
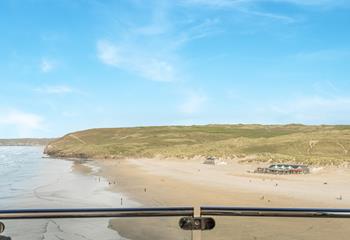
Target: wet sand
[(159, 182), (29, 181)]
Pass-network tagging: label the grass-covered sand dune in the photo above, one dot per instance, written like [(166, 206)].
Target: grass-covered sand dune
[(317, 145)]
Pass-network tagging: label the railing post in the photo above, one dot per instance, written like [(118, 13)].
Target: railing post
[(196, 235)]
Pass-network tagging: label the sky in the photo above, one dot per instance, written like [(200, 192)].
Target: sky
[(72, 65)]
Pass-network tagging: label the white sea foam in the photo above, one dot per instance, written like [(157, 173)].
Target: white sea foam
[(29, 181)]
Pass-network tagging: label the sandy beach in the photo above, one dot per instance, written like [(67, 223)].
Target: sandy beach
[(171, 182), (167, 182)]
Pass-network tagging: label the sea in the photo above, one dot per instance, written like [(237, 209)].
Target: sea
[(29, 180)]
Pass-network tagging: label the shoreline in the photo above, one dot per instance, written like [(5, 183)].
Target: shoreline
[(158, 182), (29, 182)]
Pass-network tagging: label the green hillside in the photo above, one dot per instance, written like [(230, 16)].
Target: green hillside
[(318, 145)]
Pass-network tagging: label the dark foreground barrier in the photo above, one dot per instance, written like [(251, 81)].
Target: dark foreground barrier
[(210, 218)]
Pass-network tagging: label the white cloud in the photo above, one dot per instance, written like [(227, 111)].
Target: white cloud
[(312, 109), (150, 49), (159, 22), (270, 15), (57, 89), (108, 53), (135, 60), (193, 104), (234, 3), (326, 88), (205, 28), (214, 3), (24, 123), (47, 65), (253, 7), (323, 55), (247, 7), (326, 3)]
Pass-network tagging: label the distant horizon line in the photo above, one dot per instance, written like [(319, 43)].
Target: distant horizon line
[(174, 125)]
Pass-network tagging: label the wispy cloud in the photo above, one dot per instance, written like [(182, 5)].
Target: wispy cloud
[(159, 22), (25, 123), (108, 53), (312, 109), (254, 7), (56, 89), (280, 17), (198, 30), (235, 3), (193, 103), (215, 3), (326, 89), (246, 7), (47, 65), (323, 55), (322, 3), (151, 49), (128, 58)]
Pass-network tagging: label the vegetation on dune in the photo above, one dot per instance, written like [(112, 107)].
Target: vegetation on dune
[(316, 145)]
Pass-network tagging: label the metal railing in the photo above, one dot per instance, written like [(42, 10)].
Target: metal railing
[(173, 212), (276, 212), (187, 221), (95, 213)]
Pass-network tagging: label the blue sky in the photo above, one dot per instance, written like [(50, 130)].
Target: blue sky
[(70, 65)]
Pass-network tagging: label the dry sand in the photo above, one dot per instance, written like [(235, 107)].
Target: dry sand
[(159, 182)]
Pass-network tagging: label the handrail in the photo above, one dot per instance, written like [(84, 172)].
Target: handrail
[(276, 212), (95, 213), (174, 211)]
